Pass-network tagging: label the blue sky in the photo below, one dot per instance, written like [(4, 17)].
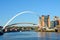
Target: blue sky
[(9, 8)]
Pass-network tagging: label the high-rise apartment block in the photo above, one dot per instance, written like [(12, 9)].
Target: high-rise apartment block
[(45, 21)]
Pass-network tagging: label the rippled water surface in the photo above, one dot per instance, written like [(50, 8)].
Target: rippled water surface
[(31, 36)]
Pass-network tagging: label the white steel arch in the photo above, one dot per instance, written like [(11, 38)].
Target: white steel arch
[(16, 16)]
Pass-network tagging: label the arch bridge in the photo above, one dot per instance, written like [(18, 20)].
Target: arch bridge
[(28, 23)]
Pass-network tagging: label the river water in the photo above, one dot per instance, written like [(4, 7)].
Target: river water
[(30, 36)]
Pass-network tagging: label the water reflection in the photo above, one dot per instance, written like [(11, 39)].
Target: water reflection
[(49, 35), (31, 36), (20, 36)]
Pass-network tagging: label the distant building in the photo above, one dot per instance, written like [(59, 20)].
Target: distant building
[(56, 21), (42, 21), (45, 21), (52, 24)]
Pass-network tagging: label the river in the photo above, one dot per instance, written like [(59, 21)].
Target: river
[(31, 36)]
